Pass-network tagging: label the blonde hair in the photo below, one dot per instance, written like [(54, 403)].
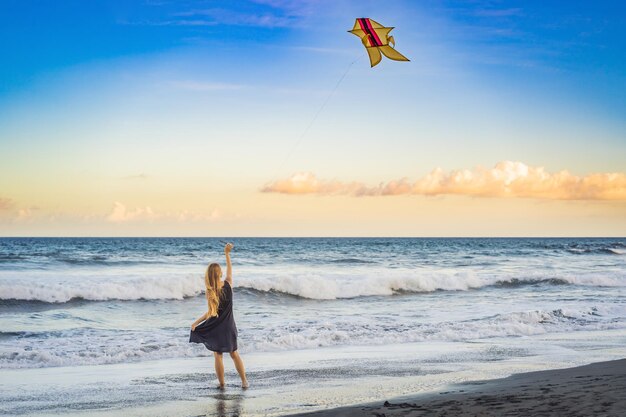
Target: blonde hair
[(213, 288)]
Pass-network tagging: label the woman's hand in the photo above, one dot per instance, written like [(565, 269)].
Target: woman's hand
[(229, 265), (228, 248), (193, 326)]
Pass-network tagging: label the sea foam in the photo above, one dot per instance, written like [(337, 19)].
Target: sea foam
[(103, 346), (100, 289), (329, 286), (318, 286)]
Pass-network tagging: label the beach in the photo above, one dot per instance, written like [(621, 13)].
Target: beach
[(326, 382), (100, 326), (597, 389)]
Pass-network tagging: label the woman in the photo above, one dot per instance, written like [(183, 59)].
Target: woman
[(218, 331)]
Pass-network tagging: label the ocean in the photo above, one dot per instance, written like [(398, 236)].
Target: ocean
[(417, 311)]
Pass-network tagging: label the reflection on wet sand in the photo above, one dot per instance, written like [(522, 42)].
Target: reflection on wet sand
[(227, 405)]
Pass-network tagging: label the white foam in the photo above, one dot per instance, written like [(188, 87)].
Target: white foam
[(97, 349), (328, 286), (105, 346), (102, 288), (368, 332)]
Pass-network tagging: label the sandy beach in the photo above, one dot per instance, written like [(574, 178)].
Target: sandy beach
[(101, 326), (321, 386), (598, 389)]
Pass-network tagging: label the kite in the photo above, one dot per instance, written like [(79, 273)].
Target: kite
[(376, 39)]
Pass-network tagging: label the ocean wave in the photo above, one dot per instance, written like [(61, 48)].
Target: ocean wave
[(99, 260), (597, 251), (52, 259), (320, 287), (515, 282), (106, 346), (148, 288), (8, 335), (10, 257), (327, 286), (351, 261), (307, 335), (96, 348)]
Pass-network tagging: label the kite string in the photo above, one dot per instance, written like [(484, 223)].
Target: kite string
[(306, 130)]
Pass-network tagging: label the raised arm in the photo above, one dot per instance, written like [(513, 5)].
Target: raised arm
[(229, 265)]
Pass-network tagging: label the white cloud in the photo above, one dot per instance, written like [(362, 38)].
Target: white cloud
[(205, 86), (189, 216), (220, 16), (121, 214)]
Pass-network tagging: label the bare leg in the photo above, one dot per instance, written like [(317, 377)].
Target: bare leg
[(219, 368), (240, 369)]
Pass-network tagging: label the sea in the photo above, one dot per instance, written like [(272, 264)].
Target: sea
[(101, 325)]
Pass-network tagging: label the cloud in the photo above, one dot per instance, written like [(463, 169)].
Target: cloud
[(205, 86), (24, 214), (6, 203), (293, 7), (507, 180), (189, 216), (307, 183), (10, 212), (251, 13), (315, 49), (274, 18), (254, 13), (498, 12), (121, 214), (135, 177)]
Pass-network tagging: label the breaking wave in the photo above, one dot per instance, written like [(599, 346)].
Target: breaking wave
[(324, 288), (149, 288), (306, 285)]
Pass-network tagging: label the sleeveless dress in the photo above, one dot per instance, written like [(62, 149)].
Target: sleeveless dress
[(218, 334)]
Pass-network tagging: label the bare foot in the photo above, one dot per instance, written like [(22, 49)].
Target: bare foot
[(245, 385), (220, 387)]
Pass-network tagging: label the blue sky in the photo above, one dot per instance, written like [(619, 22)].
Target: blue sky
[(95, 93), (577, 37)]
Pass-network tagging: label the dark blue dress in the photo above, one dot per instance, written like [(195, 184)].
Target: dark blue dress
[(219, 334)]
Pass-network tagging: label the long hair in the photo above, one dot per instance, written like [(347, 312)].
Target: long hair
[(213, 288)]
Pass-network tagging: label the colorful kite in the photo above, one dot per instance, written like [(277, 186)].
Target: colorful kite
[(376, 39)]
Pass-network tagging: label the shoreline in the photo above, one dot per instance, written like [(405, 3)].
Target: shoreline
[(320, 382), (590, 390)]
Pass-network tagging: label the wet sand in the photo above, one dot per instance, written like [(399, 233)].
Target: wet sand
[(598, 389)]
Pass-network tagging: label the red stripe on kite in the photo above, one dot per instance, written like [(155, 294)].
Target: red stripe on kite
[(366, 27), (373, 32)]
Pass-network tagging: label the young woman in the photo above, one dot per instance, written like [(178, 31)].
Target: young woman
[(216, 328)]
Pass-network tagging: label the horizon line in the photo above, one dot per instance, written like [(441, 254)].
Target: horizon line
[(312, 237)]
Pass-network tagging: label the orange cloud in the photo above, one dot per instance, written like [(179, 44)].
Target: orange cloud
[(6, 203), (506, 179)]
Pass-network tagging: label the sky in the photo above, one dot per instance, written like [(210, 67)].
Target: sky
[(264, 118)]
